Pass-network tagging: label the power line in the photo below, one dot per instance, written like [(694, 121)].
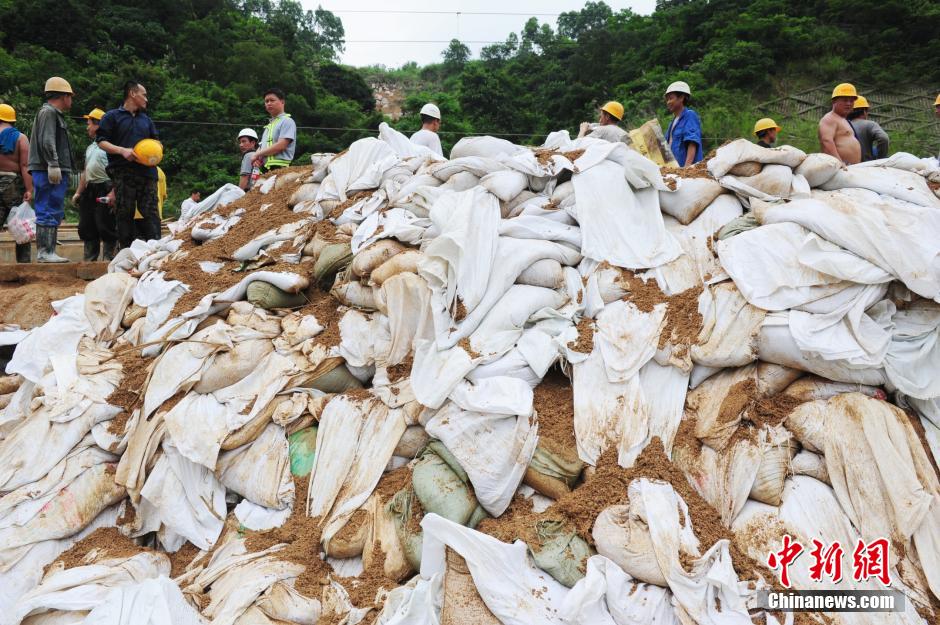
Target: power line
[(408, 12)]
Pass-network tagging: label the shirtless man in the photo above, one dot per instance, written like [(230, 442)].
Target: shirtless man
[(836, 136), (16, 185)]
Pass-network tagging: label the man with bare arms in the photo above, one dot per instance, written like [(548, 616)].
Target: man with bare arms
[(16, 185), (836, 136)]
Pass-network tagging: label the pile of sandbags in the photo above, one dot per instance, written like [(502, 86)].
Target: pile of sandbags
[(522, 385)]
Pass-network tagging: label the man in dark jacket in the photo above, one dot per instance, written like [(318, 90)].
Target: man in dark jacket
[(135, 184), (50, 163)]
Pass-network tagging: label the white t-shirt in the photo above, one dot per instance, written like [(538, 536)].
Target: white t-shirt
[(609, 132), (187, 204), (429, 140)]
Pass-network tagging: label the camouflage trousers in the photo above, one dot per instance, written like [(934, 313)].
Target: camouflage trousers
[(11, 194)]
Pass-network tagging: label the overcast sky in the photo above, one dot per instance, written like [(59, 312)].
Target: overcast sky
[(372, 29)]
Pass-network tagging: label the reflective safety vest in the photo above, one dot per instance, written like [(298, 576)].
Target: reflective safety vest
[(271, 161)]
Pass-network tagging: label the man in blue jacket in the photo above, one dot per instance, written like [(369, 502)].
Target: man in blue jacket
[(684, 135), (135, 184)]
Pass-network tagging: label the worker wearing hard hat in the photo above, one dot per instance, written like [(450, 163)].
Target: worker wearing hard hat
[(96, 227), (684, 135), (766, 131), (50, 163), (247, 144), (936, 112), (606, 127), (16, 185), (129, 137), (430, 126), (836, 136), (873, 139), (279, 139)]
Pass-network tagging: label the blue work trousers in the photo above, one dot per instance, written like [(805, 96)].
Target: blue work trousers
[(49, 199)]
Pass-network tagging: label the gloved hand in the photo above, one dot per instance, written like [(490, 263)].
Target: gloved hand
[(55, 174)]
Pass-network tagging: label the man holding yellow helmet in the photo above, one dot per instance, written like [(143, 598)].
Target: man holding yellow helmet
[(129, 137), (606, 127)]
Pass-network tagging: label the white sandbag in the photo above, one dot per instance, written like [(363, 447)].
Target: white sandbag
[(818, 168), (765, 265), (896, 183), (811, 464), (774, 181), (514, 590), (105, 301), (619, 225), (547, 273), (461, 181), (491, 147), (882, 476), (908, 241), (359, 169), (369, 258), (742, 150), (776, 345), (730, 329), (150, 602), (811, 388), (355, 295), (400, 263), (186, 498), (225, 368), (609, 596), (914, 351), (504, 323), (66, 513), (690, 198), (656, 523), (305, 193), (260, 471), (59, 337), (493, 449), (344, 474), (504, 184), (82, 588)]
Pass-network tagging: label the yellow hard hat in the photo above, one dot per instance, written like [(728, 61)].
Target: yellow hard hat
[(765, 124), (844, 90), (937, 101), (861, 102), (96, 114), (614, 108), (59, 85), (7, 113), (149, 152)]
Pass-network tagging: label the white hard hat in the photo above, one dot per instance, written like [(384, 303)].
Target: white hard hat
[(247, 132), (431, 110), (679, 87)]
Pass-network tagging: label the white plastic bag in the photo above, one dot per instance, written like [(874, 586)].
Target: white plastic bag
[(22, 223)]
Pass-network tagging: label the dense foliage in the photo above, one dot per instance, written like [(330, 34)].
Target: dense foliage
[(206, 63), (734, 53)]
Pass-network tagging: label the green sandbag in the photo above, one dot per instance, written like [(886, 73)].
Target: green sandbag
[(400, 509), (337, 380), (562, 554), (267, 296), (332, 259), (737, 226), (556, 466), (302, 447), (439, 488)]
